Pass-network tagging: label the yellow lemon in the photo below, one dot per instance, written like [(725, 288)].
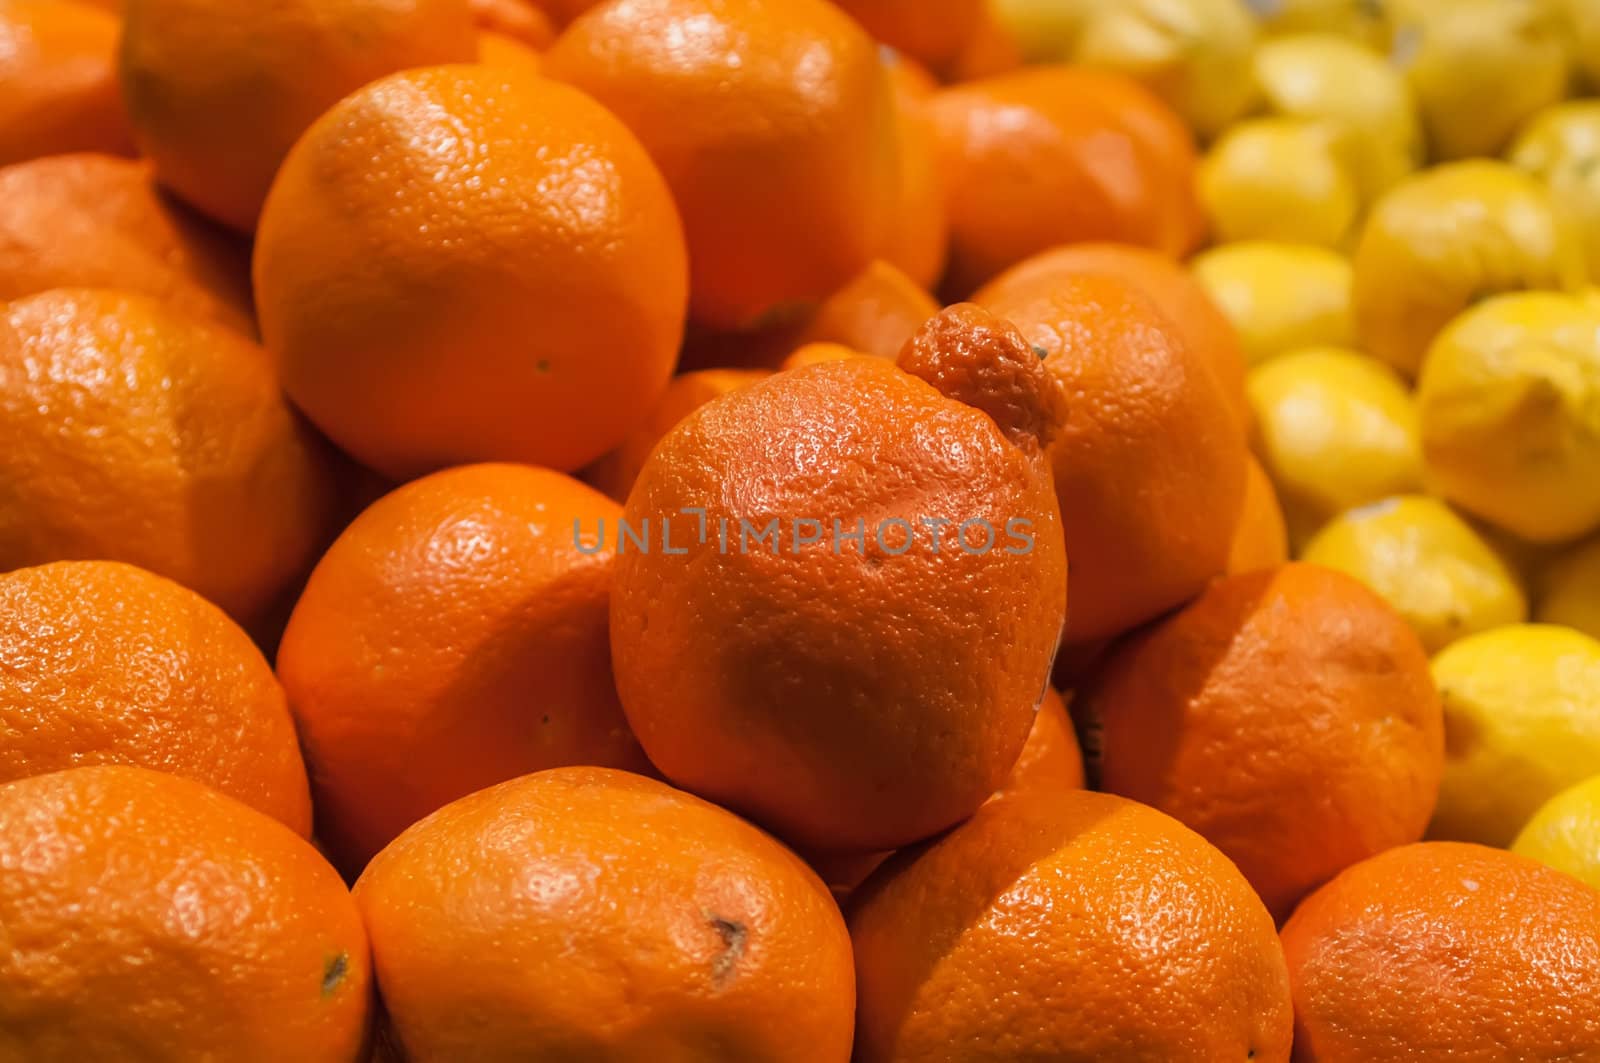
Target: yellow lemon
[(1428, 563), (1509, 405), (1444, 238), (1571, 584), (1279, 296), (1334, 430), (1278, 178), (1195, 54), (1046, 31), (1479, 68), (1565, 832), (1362, 21), (1521, 724), (1583, 27), (1561, 147), (1340, 83)]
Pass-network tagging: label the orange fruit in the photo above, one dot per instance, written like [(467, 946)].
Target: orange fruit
[(538, 334), (991, 50), (1150, 466), (94, 221), (58, 81), (615, 473), (1173, 289), (1051, 756), (1287, 714), (588, 914), (108, 664), (933, 32), (521, 20), (454, 637), (1059, 155), (1261, 537), (851, 693), (497, 49), (149, 917), (812, 353), (130, 432), (731, 96), (218, 93), (1444, 950), (919, 235), (1063, 925)]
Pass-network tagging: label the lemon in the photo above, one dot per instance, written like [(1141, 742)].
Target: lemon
[(1046, 31), (1334, 430), (1509, 406), (1479, 68), (1565, 832), (1348, 87), (1571, 584), (1561, 147), (1279, 296), (1279, 178), (1428, 563), (1362, 21), (1582, 23), (1522, 723), (1441, 239), (1195, 54)]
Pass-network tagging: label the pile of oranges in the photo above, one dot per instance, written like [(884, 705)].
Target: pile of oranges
[(799, 531)]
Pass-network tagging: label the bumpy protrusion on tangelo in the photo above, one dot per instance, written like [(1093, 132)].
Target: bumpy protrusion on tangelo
[(982, 360)]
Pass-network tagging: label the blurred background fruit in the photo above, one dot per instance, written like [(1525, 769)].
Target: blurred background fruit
[(1279, 296), (58, 81), (1281, 179), (1360, 21), (1570, 589), (1261, 538), (1565, 832), (1561, 146)]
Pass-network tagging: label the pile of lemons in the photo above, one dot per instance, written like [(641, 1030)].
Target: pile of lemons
[(1404, 204)]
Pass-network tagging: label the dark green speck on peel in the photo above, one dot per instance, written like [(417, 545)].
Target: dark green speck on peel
[(1041, 352), (543, 365), (333, 972)]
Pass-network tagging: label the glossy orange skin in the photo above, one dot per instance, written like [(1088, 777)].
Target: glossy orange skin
[(423, 323), (58, 81), (1444, 950), (1261, 538), (933, 32), (105, 663), (1150, 466), (604, 917), (95, 221), (521, 20), (218, 93), (133, 433), (1058, 155), (1065, 925), (615, 473), (1288, 715), (858, 698), (1166, 283), (774, 124), (453, 637), (149, 917)]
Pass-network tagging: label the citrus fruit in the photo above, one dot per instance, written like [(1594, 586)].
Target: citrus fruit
[(850, 657), (1175, 292), (1335, 430), (58, 81), (1340, 83), (149, 917), (498, 50), (523, 21), (1561, 146), (1044, 927), (615, 473), (1046, 31), (1521, 724), (1261, 537), (1279, 178), (1150, 462), (130, 432), (539, 334), (1194, 53), (1509, 406), (812, 353), (604, 916), (108, 664), (1059, 155), (1425, 561), (785, 96), (1359, 21), (933, 32), (454, 636), (1478, 68), (1050, 757), (218, 93), (990, 51), (1279, 296), (1564, 833), (1446, 237), (94, 221), (1446, 951), (1285, 714), (1571, 589), (1583, 37), (918, 241)]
